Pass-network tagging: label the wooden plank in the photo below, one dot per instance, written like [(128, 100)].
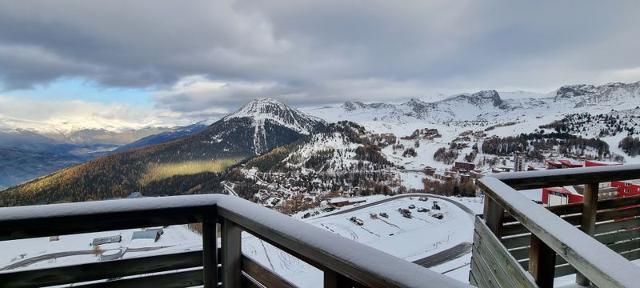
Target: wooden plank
[(231, 254), (72, 218), (564, 177), (168, 280), (607, 210), (588, 219), (514, 229), (101, 270), (210, 250), (525, 262), (629, 248), (573, 208), (521, 252), (564, 270), (491, 271), (472, 278), (619, 213), (483, 274), (631, 255), (611, 226), (625, 245), (619, 202), (516, 241), (567, 209), (487, 263), (617, 236), (542, 262), (262, 275), (517, 228), (475, 278), (522, 241), (507, 270)]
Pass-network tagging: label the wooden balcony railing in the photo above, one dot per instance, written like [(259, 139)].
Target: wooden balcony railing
[(519, 243), (345, 263)]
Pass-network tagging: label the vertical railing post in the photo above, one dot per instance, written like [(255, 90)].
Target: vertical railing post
[(588, 220), (493, 215), (210, 249), (231, 254), (542, 263)]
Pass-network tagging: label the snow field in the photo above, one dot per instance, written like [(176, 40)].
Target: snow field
[(410, 239), (174, 239)]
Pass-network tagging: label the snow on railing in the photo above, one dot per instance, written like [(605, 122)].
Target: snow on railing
[(551, 234), (343, 261)]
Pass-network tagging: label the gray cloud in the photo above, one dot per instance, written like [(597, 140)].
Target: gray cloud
[(204, 57)]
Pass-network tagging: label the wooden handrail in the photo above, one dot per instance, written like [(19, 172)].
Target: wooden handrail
[(359, 263), (601, 265), (365, 265), (569, 176)]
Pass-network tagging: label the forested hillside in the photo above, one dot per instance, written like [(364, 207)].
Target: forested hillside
[(176, 167)]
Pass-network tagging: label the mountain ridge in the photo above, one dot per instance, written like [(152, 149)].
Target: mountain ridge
[(120, 174)]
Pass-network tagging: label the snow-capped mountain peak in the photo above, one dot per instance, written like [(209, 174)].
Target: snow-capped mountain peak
[(268, 109), (260, 107), (265, 114)]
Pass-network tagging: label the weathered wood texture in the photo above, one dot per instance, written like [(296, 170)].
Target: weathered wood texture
[(358, 265), (542, 262), (582, 251), (620, 210), (625, 242), (231, 254), (494, 216), (588, 219), (613, 222), (492, 265)]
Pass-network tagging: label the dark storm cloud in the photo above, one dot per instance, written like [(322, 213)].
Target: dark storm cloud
[(202, 55)]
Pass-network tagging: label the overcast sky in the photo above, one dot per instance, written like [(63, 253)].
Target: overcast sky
[(199, 59)]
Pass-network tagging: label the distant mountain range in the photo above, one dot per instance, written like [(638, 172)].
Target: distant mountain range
[(259, 126), (172, 134), (104, 136), (489, 106), (263, 124), (26, 154)]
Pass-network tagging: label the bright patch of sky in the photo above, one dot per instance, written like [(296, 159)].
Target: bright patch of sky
[(77, 88)]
